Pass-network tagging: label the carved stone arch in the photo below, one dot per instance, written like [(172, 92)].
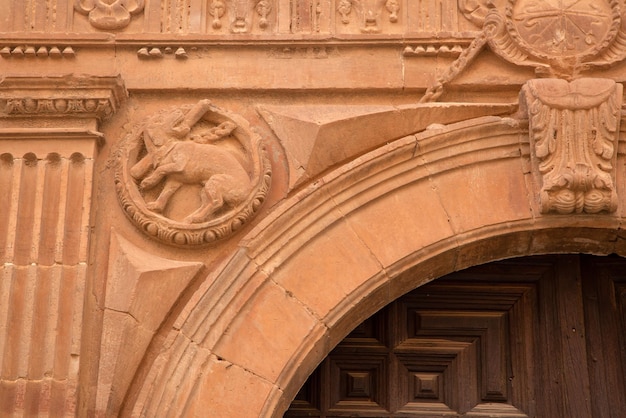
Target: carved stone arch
[(256, 328)]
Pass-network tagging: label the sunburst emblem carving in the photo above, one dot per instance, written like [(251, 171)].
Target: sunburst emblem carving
[(553, 29)]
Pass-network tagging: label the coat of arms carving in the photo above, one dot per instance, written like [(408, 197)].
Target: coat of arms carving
[(560, 38), (191, 175), (573, 120)]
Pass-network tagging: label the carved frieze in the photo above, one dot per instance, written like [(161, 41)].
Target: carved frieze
[(109, 14), (368, 12), (241, 14), (433, 50), (160, 52), (191, 175), (83, 97), (574, 129), (29, 51)]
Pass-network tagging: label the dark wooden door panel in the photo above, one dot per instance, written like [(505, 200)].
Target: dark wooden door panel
[(604, 290), (533, 337)]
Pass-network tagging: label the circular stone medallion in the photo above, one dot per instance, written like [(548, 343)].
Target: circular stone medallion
[(191, 175), (563, 29)]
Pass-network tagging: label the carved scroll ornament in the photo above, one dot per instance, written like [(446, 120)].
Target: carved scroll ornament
[(191, 175), (109, 14), (476, 10), (574, 130)]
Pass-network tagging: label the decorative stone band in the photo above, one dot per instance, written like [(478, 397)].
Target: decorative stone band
[(574, 129), (208, 154), (85, 97)]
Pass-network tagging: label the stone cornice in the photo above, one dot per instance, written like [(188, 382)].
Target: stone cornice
[(61, 96), (132, 39)]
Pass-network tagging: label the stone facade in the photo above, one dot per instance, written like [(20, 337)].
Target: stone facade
[(201, 198)]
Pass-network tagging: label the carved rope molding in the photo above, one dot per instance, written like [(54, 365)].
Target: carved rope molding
[(202, 148), (574, 130)]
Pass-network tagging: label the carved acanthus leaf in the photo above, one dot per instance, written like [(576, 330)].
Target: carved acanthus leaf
[(574, 129)]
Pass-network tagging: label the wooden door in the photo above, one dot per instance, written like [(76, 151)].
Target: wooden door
[(533, 337)]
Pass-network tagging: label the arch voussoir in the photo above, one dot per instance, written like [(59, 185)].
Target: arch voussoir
[(372, 230)]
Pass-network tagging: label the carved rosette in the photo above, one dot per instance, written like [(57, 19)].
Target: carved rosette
[(574, 128), (191, 175), (109, 14)]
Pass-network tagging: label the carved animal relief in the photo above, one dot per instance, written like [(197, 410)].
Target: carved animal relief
[(574, 130), (191, 175)]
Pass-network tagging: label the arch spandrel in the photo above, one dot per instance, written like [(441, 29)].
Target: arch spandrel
[(379, 226), (370, 194)]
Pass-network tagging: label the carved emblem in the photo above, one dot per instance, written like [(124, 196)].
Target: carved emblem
[(559, 37), (191, 175), (369, 12), (574, 130), (240, 14), (563, 28), (217, 8), (109, 14)]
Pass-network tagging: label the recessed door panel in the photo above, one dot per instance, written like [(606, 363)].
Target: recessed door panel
[(531, 337)]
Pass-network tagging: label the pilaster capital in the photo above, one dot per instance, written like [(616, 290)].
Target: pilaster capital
[(75, 96)]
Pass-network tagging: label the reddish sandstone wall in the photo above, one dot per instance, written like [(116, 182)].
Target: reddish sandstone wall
[(141, 280)]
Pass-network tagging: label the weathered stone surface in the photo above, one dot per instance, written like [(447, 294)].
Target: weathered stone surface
[(48, 148), (277, 321), (141, 289), (574, 135), (253, 232), (316, 138)]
